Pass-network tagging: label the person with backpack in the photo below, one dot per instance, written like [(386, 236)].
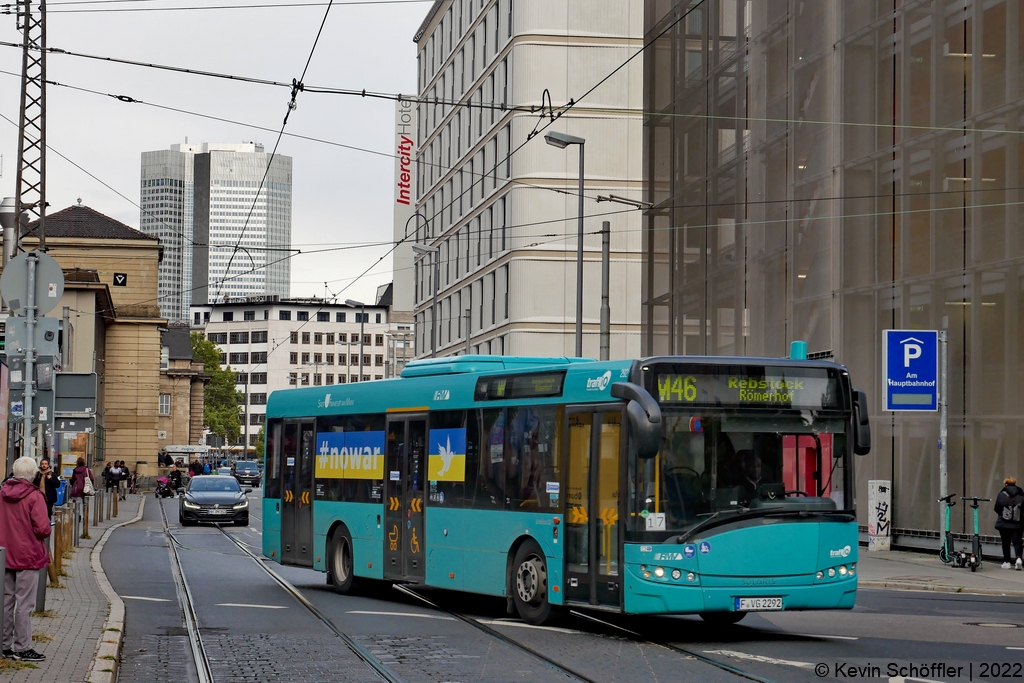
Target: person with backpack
[(1010, 521)]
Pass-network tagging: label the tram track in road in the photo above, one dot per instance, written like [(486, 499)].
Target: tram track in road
[(632, 635)]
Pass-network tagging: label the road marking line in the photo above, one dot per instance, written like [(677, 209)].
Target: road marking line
[(759, 658), (253, 529), (401, 614), (1010, 647), (239, 604), (822, 635), (519, 624), (139, 597)]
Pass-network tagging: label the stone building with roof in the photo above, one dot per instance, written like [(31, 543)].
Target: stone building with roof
[(113, 328)]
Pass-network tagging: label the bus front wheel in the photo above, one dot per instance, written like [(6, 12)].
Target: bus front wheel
[(529, 582), (340, 557)]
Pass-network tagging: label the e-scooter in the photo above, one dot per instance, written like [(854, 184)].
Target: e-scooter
[(972, 560), (946, 553)]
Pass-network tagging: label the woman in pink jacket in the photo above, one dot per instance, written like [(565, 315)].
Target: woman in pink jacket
[(24, 526)]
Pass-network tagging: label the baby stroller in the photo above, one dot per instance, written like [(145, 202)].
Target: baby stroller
[(164, 488)]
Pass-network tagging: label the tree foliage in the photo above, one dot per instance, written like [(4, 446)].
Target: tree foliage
[(261, 440), (220, 411)]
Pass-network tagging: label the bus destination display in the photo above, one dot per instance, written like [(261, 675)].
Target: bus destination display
[(529, 385), (807, 388)]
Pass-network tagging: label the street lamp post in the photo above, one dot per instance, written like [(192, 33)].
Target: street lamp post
[(421, 250), (563, 140), (362, 322)]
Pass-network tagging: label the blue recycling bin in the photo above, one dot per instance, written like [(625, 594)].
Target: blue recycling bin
[(62, 492)]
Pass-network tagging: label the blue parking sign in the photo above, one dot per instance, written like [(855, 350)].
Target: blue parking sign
[(910, 362)]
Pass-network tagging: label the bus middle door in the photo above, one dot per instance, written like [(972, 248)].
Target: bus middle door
[(406, 470)]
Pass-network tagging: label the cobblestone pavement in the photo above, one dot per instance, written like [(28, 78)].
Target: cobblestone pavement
[(77, 614)]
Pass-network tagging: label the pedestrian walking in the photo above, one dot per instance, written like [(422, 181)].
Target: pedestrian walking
[(79, 477), (122, 484), (1010, 521), (49, 484), (23, 528), (108, 478)]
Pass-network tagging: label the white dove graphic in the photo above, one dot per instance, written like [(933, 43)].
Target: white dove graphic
[(446, 454)]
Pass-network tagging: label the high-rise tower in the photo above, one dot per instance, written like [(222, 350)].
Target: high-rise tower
[(201, 201)]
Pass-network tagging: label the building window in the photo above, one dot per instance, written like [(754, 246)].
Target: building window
[(293, 358), (249, 315), (318, 337), (218, 337), (258, 378), (257, 418), (257, 399), (259, 337), (341, 379), (318, 358), (206, 317), (253, 438), (302, 315), (323, 317), (318, 380), (339, 317), (366, 359), (305, 337), (354, 360), (165, 357), (328, 379), (378, 340), (239, 358), (241, 378), (330, 338), (223, 359), (377, 377), (258, 357), (305, 379), (284, 315), (305, 358), (378, 318), (378, 360), (196, 318), (165, 404), (239, 337), (353, 379), (342, 337), (330, 359), (229, 316), (293, 378), (366, 340), (294, 337)]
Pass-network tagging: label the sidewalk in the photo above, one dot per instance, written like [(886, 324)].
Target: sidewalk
[(906, 570), (75, 615)]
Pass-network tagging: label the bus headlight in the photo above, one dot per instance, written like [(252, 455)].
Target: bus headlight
[(842, 570), (659, 572), (820, 575), (691, 577), (831, 572), (676, 574)]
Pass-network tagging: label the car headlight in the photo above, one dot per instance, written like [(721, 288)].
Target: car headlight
[(243, 504), (190, 505)]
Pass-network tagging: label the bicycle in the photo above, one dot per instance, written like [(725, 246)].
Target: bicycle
[(974, 559), (946, 552)]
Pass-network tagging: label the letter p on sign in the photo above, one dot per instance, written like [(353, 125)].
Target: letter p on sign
[(910, 352)]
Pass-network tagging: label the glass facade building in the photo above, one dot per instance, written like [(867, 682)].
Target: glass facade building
[(827, 170)]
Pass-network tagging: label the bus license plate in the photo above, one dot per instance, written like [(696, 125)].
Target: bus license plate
[(758, 604)]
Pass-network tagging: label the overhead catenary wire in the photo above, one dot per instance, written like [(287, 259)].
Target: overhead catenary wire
[(6, 8)]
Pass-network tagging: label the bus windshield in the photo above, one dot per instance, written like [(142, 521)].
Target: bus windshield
[(715, 464)]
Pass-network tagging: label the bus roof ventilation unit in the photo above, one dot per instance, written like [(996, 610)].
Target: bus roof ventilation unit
[(457, 365)]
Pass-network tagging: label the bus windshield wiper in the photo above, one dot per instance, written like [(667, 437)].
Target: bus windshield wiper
[(751, 513), (681, 538)]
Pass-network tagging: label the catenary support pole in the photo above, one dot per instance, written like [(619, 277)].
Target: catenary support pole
[(579, 263), (469, 319), (606, 314)]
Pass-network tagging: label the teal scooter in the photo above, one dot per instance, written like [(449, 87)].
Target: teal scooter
[(946, 552), (972, 560)]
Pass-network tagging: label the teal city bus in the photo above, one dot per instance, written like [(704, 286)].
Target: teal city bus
[(669, 485)]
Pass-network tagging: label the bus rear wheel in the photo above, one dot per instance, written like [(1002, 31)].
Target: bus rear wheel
[(722, 618), (340, 561), (529, 582)]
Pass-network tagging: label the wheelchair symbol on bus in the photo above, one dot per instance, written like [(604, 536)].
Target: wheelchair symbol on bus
[(705, 547), (414, 544)]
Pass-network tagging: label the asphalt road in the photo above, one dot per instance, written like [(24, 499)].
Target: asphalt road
[(253, 630)]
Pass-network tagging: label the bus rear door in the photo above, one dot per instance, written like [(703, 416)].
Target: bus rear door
[(592, 547), (297, 494), (406, 471)]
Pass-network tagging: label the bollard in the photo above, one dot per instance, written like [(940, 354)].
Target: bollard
[(115, 502), (76, 507), (52, 545), (85, 517)]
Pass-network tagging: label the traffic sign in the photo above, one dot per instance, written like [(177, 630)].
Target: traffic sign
[(910, 363), (46, 332), (49, 283)]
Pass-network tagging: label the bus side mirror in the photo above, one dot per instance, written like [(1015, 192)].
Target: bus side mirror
[(861, 424), (644, 417)]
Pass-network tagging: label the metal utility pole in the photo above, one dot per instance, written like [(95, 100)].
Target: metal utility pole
[(943, 408), (469, 320), (606, 313), (30, 188)]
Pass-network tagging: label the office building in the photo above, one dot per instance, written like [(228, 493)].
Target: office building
[(273, 343), (827, 170), (496, 205), (201, 200)]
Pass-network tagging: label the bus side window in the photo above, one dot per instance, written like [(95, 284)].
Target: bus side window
[(531, 457), (272, 467), (451, 493), (489, 492)]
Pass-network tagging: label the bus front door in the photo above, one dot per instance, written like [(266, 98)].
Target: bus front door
[(297, 494), (592, 508), (404, 543)]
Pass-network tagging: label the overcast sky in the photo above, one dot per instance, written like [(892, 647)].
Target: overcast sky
[(340, 196)]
